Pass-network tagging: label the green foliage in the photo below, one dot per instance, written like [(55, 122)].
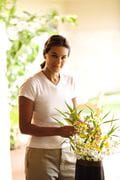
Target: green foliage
[(7, 10), (69, 19), (14, 128), (14, 115), (13, 137)]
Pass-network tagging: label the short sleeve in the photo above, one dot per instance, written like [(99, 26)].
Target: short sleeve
[(28, 90)]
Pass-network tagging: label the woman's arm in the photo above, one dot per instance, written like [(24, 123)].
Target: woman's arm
[(26, 109)]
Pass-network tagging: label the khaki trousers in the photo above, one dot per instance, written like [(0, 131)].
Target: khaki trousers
[(49, 164)]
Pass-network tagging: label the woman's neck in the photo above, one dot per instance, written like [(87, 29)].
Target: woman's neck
[(53, 77)]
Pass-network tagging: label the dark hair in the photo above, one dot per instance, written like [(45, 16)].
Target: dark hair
[(42, 65), (54, 40)]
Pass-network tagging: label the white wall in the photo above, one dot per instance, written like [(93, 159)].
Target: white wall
[(5, 165)]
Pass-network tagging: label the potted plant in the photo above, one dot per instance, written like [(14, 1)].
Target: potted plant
[(96, 137)]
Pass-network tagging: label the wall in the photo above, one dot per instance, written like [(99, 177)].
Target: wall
[(5, 165)]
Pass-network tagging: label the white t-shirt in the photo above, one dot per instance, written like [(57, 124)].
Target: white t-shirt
[(47, 98)]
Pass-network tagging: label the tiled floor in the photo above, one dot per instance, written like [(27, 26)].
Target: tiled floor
[(111, 165)]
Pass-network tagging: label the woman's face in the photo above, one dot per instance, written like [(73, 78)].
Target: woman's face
[(56, 58)]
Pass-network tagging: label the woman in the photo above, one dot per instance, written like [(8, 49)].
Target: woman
[(48, 154)]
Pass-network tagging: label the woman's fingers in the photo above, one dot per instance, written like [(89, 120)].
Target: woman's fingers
[(67, 131)]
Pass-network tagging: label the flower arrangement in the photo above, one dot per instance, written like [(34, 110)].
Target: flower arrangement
[(96, 132)]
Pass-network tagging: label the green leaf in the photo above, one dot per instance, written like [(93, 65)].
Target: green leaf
[(108, 121), (106, 115), (113, 129), (69, 121), (59, 122), (62, 113), (12, 11), (69, 107)]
